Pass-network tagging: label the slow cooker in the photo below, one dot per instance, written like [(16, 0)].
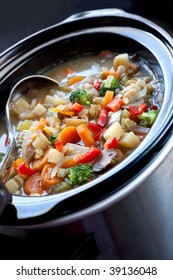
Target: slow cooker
[(135, 199)]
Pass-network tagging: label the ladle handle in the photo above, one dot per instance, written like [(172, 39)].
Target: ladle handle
[(5, 197)]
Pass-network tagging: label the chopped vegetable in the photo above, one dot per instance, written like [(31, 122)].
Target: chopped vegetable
[(76, 107), (63, 112), (52, 140), (115, 104), (69, 161), (85, 135), (55, 156), (74, 79), (95, 128), (41, 141), (111, 143), (38, 164), (80, 96), (103, 116), (111, 83), (97, 136), (137, 110), (88, 156), (104, 159), (114, 130), (16, 163), (69, 134), (97, 85), (148, 118), (129, 140), (46, 177), (25, 171), (96, 117), (34, 184), (59, 145), (109, 95), (80, 174)]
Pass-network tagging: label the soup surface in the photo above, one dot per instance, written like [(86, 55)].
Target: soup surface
[(103, 109)]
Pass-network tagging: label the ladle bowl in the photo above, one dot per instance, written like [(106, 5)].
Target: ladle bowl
[(20, 89)]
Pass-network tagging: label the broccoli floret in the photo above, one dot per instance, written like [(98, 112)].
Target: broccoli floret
[(80, 174), (52, 140), (80, 96), (111, 83), (148, 118)]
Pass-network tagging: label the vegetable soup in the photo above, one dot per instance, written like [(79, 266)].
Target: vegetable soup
[(103, 109)]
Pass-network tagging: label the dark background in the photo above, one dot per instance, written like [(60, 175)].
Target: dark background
[(20, 18)]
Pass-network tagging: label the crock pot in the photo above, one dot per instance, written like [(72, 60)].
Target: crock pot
[(142, 184)]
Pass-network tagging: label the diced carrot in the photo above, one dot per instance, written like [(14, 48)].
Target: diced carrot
[(38, 164), (63, 112), (42, 123), (69, 134), (74, 79), (68, 70), (85, 135), (109, 95), (17, 163), (115, 104), (69, 162), (46, 176), (107, 72), (34, 184)]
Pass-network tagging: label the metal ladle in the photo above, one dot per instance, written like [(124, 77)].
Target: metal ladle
[(29, 87), (28, 206), (34, 82)]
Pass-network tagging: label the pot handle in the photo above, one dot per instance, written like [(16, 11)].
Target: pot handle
[(94, 13)]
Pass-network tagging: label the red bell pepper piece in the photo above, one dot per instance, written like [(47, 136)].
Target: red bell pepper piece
[(115, 104), (103, 116), (59, 145), (111, 143), (153, 107), (142, 107), (134, 112), (137, 110), (25, 171), (97, 136), (88, 156), (76, 107), (97, 85), (95, 128)]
